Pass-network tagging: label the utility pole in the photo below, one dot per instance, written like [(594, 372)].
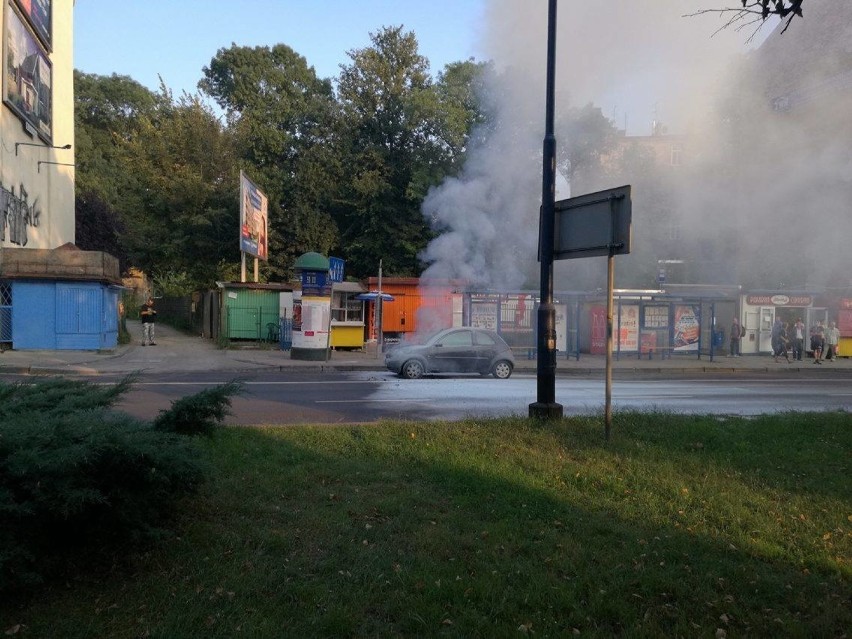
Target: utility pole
[(545, 406)]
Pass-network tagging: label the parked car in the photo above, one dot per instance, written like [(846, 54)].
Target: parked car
[(453, 350)]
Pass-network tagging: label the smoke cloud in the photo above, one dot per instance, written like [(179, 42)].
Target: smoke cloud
[(761, 198)]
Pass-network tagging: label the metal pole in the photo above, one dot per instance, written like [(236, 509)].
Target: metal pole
[(546, 407), (610, 284), (379, 335)]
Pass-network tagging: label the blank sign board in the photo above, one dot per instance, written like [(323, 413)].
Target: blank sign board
[(593, 224)]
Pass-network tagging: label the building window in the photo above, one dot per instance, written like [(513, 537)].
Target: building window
[(674, 232), (676, 153), (347, 309)]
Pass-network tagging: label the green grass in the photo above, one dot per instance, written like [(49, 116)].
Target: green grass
[(677, 527)]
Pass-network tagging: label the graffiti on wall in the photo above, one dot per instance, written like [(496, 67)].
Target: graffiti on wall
[(16, 214)]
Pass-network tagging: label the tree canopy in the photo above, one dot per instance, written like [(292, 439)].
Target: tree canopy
[(346, 162)]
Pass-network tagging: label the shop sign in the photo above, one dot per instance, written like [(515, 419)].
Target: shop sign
[(779, 300)]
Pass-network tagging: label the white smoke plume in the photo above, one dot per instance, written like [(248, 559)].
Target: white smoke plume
[(638, 61)]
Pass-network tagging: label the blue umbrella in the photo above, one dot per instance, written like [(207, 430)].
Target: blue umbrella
[(373, 295)]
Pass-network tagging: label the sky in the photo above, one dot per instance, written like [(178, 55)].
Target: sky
[(149, 39)]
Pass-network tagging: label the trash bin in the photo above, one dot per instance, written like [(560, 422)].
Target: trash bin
[(719, 338)]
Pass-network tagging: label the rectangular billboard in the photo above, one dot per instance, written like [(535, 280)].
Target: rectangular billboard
[(39, 14), (253, 219), (687, 327), (27, 76)]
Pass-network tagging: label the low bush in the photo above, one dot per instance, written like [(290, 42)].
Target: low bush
[(82, 483), (198, 414)]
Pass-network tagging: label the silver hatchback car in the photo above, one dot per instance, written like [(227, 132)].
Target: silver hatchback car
[(453, 350)]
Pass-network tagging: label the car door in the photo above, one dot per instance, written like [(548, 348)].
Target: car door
[(485, 350), (453, 353)]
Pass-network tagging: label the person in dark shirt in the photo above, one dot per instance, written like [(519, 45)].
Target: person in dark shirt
[(779, 340), (818, 341), (148, 316)]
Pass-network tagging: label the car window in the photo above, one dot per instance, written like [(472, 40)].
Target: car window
[(459, 338), (483, 339)]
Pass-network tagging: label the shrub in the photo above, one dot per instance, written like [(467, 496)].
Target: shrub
[(78, 480), (198, 414)]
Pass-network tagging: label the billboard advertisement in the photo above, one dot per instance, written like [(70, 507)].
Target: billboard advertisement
[(686, 328), (253, 219), (27, 77), (38, 12), (598, 330), (628, 328)]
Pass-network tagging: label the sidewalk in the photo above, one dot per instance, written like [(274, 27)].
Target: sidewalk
[(177, 352)]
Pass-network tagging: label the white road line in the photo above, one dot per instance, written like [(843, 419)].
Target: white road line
[(369, 401)]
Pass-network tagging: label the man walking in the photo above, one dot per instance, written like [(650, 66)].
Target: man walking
[(832, 339), (148, 315)]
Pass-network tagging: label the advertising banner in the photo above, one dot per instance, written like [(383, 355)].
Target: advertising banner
[(38, 12), (598, 333), (27, 77), (628, 329), (687, 328), (313, 322), (483, 316), (253, 219)]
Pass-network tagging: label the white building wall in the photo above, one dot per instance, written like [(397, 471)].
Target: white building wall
[(49, 188)]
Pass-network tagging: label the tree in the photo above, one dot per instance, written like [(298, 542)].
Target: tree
[(187, 218), (391, 122), (283, 119), (99, 227), (583, 136), (107, 112), (460, 88), (757, 12)]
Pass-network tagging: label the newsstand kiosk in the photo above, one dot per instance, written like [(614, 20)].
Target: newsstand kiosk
[(760, 309)]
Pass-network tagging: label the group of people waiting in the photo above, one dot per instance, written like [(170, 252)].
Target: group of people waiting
[(787, 340), (824, 341)]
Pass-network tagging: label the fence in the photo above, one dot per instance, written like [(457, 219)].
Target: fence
[(5, 315)]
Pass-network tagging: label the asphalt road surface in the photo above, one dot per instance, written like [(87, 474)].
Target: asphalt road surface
[(335, 397)]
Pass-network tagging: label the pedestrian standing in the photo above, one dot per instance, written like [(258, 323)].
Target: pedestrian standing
[(818, 341), (737, 332), (775, 338), (832, 340), (798, 339), (148, 316)]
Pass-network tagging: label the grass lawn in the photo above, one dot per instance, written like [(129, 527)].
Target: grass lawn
[(677, 527)]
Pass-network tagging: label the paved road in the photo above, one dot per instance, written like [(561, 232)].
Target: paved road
[(354, 386), (290, 397)]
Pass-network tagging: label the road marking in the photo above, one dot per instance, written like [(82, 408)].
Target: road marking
[(208, 383), (369, 401)]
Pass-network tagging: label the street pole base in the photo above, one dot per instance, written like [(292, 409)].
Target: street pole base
[(543, 410)]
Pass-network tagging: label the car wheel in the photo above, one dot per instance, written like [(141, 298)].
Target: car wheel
[(412, 369), (502, 369)]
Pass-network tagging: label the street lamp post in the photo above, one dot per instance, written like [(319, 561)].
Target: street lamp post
[(545, 406)]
